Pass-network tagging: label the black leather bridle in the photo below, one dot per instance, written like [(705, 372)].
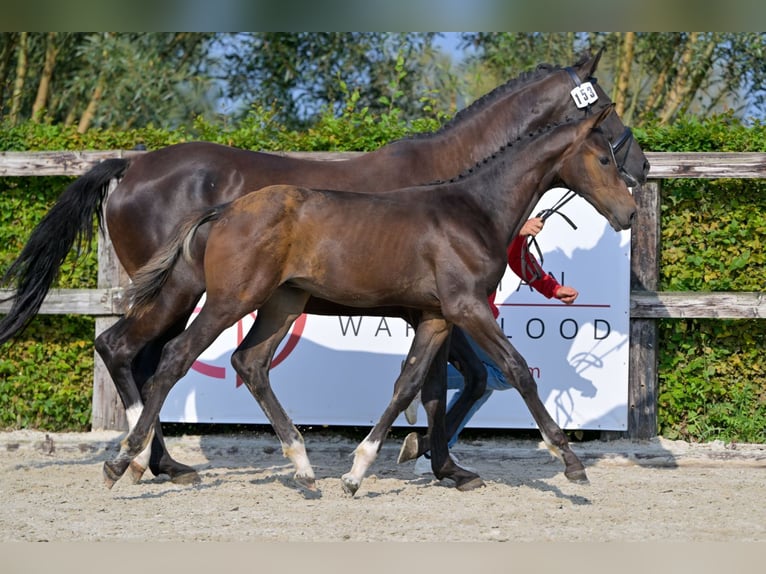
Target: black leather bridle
[(584, 96)]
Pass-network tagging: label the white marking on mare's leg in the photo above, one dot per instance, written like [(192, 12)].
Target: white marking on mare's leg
[(140, 463)]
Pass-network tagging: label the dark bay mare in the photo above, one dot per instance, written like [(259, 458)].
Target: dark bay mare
[(439, 249), (160, 188)]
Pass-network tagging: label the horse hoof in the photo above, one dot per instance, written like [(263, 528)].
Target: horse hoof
[(186, 478), (135, 472), (306, 482), (350, 485), (111, 474), (470, 484), (577, 476), (409, 450)]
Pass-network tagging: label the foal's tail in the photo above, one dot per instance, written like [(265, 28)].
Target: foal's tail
[(147, 282), (68, 223)]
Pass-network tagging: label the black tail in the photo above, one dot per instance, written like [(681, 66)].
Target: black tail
[(147, 282), (68, 223)]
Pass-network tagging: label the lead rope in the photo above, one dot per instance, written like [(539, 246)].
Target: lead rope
[(527, 270)]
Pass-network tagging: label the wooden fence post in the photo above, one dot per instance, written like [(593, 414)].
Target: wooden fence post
[(108, 412), (644, 276)]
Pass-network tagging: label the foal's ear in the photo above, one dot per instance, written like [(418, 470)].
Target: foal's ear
[(586, 125), (603, 114)]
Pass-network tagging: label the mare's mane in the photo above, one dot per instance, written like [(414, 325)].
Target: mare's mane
[(485, 101)]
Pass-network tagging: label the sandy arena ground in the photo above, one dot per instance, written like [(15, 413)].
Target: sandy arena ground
[(657, 490)]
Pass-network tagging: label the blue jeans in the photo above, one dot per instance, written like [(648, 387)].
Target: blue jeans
[(495, 382)]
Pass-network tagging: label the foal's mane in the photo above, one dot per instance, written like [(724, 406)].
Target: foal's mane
[(504, 149)]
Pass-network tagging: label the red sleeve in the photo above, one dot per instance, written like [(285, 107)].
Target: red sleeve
[(492, 306), (545, 284)]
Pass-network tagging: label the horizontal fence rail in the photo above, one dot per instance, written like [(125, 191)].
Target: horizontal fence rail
[(643, 304), (647, 304)]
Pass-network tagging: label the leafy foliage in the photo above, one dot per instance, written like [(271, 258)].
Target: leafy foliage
[(712, 375), (712, 378)]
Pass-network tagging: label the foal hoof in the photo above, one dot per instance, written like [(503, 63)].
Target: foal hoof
[(306, 482), (409, 450), (350, 484), (577, 476)]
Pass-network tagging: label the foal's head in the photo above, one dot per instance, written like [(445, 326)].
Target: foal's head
[(589, 168)]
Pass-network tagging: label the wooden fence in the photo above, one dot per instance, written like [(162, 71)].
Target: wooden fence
[(647, 305)]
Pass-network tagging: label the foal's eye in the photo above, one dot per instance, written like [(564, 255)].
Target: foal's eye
[(604, 160)]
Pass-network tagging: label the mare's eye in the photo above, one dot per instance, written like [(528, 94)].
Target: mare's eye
[(604, 160)]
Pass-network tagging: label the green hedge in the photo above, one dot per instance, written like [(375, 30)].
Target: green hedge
[(712, 376), (712, 382)]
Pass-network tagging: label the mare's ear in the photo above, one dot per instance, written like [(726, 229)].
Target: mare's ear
[(588, 67)]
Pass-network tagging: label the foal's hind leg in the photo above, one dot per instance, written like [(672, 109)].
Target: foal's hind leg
[(252, 360), (160, 461)]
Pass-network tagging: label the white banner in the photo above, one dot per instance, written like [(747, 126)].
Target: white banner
[(341, 370)]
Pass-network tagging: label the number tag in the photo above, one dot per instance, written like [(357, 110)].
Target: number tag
[(584, 95)]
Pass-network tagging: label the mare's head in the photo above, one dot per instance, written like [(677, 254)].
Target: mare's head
[(588, 167), (631, 161)]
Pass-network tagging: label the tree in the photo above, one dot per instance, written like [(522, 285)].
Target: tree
[(106, 79), (654, 76), (301, 73)]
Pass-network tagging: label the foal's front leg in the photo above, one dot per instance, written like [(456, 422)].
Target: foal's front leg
[(515, 369)]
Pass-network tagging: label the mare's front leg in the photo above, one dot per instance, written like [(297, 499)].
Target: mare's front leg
[(430, 334), (434, 395), (474, 373), (486, 332), (252, 360)]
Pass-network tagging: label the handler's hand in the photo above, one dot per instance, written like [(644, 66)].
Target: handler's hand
[(566, 294), (532, 227)]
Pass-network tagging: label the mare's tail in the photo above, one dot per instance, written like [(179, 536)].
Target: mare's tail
[(69, 222), (147, 282)]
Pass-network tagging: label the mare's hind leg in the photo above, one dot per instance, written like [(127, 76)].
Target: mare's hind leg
[(486, 332), (144, 367), (177, 358), (125, 353), (252, 360), (429, 337), (465, 360)]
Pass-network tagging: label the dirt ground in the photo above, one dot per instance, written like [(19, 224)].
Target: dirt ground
[(657, 490)]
